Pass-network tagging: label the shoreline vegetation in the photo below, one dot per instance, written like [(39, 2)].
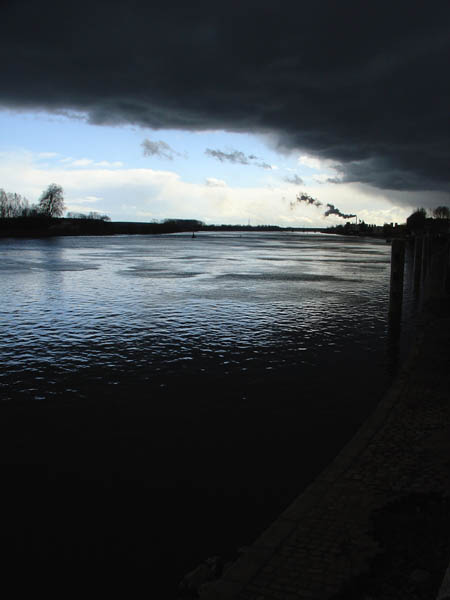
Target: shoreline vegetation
[(40, 226), (19, 218)]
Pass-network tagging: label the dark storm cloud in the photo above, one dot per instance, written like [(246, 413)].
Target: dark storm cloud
[(160, 149), (294, 179), (237, 157), (364, 84)]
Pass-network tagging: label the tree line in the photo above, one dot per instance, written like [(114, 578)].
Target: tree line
[(92, 216), (51, 204), (417, 219)]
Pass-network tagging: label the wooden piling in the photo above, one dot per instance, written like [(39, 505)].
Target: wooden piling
[(417, 268), (397, 274), (437, 283), (425, 261)]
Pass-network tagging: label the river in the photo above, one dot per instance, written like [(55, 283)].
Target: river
[(164, 397)]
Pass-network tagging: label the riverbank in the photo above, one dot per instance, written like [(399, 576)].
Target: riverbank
[(376, 522), (42, 227)]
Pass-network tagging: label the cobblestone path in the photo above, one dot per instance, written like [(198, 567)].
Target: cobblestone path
[(324, 543)]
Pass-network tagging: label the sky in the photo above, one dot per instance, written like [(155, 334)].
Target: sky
[(228, 112)]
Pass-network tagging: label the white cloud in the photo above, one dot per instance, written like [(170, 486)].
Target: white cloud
[(105, 163), (141, 193), (82, 162), (69, 161), (88, 199), (315, 163), (309, 161), (325, 170), (213, 182), (47, 155)]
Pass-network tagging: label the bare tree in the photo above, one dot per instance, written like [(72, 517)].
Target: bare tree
[(4, 205), (98, 216), (76, 215), (51, 202), (13, 205), (441, 212)]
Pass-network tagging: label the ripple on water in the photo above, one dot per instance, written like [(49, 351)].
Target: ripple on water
[(135, 308)]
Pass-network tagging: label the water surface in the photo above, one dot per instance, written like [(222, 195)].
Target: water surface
[(180, 391), (146, 308)]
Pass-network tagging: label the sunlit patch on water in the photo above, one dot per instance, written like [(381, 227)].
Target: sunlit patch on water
[(149, 308)]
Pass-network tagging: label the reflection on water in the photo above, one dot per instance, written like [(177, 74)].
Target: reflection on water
[(172, 395), (138, 308)]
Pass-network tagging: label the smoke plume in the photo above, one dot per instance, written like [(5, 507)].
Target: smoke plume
[(306, 199), (332, 210), (310, 201)]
